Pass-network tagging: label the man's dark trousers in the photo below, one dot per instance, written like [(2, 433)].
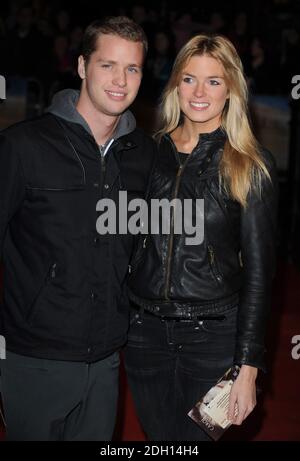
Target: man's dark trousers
[(59, 400)]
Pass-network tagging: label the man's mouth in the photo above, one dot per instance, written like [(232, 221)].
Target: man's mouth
[(116, 95)]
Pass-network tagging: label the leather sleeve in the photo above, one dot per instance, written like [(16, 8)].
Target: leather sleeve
[(258, 252)]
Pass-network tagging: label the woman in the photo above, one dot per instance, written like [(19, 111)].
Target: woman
[(199, 309)]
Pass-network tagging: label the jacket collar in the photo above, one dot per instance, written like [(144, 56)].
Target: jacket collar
[(217, 135), (64, 106)]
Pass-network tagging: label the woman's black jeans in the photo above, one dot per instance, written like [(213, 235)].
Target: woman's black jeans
[(171, 364)]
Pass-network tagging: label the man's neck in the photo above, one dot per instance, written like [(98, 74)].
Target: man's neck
[(102, 126)]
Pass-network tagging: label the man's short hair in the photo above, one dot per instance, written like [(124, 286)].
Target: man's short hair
[(121, 26)]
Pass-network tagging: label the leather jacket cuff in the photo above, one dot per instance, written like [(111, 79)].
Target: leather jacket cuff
[(250, 354)]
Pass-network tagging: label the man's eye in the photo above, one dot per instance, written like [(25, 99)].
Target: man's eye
[(106, 66), (133, 70)]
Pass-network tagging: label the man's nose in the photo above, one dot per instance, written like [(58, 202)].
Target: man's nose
[(119, 78)]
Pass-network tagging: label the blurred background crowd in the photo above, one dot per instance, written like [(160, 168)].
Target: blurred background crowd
[(40, 39)]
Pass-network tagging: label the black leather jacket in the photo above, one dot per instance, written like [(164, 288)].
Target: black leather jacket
[(236, 257)]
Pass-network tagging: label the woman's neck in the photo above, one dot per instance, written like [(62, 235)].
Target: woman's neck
[(186, 137)]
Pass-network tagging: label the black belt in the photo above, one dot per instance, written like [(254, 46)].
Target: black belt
[(179, 314), (174, 311)]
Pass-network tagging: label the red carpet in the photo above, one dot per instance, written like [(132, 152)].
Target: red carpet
[(277, 415)]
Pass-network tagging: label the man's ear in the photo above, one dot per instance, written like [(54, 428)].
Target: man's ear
[(81, 67)]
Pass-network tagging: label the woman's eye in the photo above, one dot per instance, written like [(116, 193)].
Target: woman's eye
[(188, 79), (214, 82)]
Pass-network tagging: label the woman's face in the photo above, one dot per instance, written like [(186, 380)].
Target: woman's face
[(203, 92)]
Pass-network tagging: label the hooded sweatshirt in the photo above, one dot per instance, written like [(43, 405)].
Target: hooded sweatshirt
[(64, 106)]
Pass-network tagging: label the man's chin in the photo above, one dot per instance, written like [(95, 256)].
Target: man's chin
[(116, 111)]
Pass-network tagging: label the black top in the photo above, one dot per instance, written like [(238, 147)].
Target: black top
[(182, 157)]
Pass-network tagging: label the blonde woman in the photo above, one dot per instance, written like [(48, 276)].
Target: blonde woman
[(198, 309)]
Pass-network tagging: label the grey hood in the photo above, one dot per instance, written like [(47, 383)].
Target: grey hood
[(64, 105)]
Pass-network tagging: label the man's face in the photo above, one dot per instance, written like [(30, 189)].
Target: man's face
[(112, 77)]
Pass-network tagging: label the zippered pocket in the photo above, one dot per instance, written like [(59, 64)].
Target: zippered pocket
[(50, 275), (138, 257), (214, 264)]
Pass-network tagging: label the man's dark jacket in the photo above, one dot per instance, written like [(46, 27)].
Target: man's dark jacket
[(64, 290)]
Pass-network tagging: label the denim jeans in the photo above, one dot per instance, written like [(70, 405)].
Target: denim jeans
[(171, 364)]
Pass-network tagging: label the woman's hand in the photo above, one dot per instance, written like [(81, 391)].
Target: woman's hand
[(242, 398)]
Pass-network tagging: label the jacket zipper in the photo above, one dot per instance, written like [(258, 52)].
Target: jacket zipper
[(103, 167), (50, 275), (213, 264), (171, 237), (52, 272)]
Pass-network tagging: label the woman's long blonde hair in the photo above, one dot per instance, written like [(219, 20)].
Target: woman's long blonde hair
[(242, 167)]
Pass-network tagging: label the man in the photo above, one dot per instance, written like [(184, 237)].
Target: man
[(65, 310)]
